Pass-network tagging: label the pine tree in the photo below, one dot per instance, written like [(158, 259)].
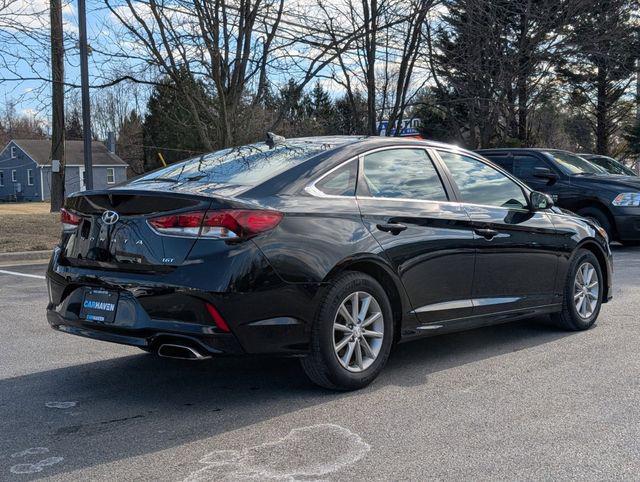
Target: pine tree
[(169, 126), (601, 66), (129, 145), (74, 126)]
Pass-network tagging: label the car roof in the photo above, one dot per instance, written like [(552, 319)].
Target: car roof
[(367, 142), (520, 149)]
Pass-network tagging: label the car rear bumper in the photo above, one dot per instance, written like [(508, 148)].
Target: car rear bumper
[(154, 310)]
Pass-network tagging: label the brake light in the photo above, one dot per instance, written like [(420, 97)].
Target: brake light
[(220, 224), (69, 220), (184, 224)]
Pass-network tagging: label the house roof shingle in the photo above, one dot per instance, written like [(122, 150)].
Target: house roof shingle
[(40, 151)]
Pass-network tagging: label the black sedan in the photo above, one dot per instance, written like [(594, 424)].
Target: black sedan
[(330, 249)]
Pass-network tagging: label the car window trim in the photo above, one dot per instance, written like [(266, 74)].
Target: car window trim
[(312, 189), (448, 191), (525, 189)]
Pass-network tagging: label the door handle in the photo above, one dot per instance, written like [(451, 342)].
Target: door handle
[(393, 228), (486, 233)]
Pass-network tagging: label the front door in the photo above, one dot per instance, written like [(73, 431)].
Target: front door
[(426, 237), (517, 247), (524, 168)]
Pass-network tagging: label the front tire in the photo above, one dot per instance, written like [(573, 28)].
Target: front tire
[(352, 334), (582, 293)]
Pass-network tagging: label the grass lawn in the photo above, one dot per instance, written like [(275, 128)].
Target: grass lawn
[(28, 227)]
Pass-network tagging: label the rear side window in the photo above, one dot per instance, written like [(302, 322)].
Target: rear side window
[(402, 173), (341, 182), (524, 166), (480, 183), (243, 166)]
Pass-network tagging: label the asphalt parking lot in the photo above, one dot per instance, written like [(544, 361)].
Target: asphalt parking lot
[(518, 401)]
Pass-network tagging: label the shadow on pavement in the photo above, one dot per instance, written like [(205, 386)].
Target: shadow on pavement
[(140, 404)]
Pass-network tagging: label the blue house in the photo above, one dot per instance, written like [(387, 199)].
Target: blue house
[(25, 169)]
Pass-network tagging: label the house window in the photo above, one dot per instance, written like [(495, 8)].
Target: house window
[(14, 176), (111, 175), (1, 178), (30, 177), (13, 152)]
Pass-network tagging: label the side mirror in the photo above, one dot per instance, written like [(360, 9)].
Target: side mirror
[(545, 173), (540, 201)]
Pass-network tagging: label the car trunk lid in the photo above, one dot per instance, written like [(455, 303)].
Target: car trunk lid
[(113, 229)]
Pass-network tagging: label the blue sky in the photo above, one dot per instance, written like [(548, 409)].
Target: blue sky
[(32, 97)]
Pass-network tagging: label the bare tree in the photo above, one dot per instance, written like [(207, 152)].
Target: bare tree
[(228, 44)]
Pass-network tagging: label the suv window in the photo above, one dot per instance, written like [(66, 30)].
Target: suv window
[(480, 183), (403, 173), (505, 162), (341, 182), (524, 166)]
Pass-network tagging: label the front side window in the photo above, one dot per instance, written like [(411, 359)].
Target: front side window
[(13, 152), (480, 183), (14, 176), (1, 178), (111, 175), (30, 177), (505, 162), (341, 182), (524, 167), (402, 173)]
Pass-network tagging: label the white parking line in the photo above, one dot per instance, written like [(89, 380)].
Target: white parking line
[(2, 271)]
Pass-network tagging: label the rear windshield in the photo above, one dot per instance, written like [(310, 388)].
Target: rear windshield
[(239, 166)]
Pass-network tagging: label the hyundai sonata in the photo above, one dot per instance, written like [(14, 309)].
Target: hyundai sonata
[(329, 249)]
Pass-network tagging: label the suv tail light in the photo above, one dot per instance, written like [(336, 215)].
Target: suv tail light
[(221, 224), (69, 220)]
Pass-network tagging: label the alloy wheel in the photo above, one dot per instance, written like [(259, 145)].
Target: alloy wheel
[(586, 290), (358, 331)]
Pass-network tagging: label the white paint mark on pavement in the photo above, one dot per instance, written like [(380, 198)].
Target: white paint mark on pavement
[(31, 451), (37, 467), (311, 451), (62, 405), (15, 273)]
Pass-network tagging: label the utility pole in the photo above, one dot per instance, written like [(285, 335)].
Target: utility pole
[(57, 107), (86, 106)]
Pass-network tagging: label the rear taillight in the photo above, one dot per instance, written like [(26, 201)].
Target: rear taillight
[(69, 220), (221, 224)]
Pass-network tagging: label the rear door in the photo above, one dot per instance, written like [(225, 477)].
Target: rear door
[(427, 237), (517, 248)]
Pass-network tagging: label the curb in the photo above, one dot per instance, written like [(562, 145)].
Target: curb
[(20, 256)]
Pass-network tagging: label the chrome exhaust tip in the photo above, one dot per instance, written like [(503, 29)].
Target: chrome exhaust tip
[(180, 352)]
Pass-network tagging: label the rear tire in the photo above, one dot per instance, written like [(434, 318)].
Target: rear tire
[(582, 293), (600, 217), (347, 352)]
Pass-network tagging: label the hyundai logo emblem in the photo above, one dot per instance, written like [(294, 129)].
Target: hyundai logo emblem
[(110, 217)]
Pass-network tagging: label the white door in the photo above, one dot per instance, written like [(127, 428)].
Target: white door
[(83, 185)]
